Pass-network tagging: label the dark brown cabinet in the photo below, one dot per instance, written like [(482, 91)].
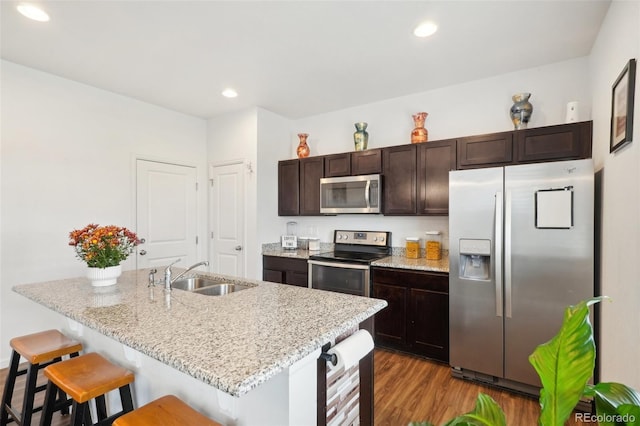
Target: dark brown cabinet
[(285, 270), (299, 186), (356, 163), (367, 162), (288, 188), (416, 319), (551, 143), (562, 142), (435, 161), (399, 185), (337, 165), (490, 150), (311, 171)]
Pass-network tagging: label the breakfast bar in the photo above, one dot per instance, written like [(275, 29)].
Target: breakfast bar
[(248, 357)]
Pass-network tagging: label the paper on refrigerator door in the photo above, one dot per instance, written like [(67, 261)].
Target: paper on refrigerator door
[(554, 208)]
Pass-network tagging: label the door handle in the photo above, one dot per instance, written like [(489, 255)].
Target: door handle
[(143, 252), (498, 252), (238, 248)]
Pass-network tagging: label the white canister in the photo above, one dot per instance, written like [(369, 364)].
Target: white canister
[(314, 244)]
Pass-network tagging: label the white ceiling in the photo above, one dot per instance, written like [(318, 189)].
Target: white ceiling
[(295, 58)]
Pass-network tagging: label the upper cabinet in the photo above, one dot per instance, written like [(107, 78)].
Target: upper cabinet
[(490, 150), (563, 142), (399, 183), (367, 162), (288, 188), (299, 186), (551, 143), (356, 163), (415, 177), (337, 165), (311, 171), (435, 161)]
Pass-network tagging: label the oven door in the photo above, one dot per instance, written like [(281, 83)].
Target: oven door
[(341, 277)]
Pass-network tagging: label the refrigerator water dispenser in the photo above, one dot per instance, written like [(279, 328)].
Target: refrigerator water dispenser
[(475, 259)]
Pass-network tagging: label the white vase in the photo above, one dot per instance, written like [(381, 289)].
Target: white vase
[(101, 277)]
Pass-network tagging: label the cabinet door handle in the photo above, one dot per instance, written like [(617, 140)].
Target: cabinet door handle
[(143, 252), (238, 248)]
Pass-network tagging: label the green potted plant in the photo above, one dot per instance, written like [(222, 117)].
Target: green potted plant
[(565, 364)]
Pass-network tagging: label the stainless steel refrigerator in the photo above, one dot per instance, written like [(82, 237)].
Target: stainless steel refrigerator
[(521, 250)]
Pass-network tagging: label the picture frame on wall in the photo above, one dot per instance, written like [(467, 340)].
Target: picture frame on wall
[(622, 107)]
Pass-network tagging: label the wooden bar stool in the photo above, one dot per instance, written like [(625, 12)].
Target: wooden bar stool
[(166, 411), (40, 350), (84, 378)]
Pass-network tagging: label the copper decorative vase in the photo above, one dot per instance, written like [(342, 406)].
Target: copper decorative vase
[(419, 134), (303, 148)]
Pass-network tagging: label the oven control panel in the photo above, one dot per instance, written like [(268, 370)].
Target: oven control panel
[(368, 238)]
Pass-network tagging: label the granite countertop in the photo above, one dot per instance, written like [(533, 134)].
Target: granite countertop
[(397, 260), (232, 342), (420, 264)]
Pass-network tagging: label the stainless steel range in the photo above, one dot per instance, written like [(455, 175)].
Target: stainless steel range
[(346, 269)]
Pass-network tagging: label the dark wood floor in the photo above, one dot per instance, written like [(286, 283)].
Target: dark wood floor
[(407, 388)]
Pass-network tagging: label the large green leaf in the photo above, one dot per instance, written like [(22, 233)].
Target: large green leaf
[(616, 404), (486, 413), (565, 364)]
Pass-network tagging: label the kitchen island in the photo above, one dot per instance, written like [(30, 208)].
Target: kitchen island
[(244, 358)]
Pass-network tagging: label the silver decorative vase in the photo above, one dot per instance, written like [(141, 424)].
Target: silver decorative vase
[(521, 110), (361, 137)]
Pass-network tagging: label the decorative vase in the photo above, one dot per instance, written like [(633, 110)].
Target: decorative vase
[(521, 110), (303, 148), (419, 134), (101, 277), (361, 137)]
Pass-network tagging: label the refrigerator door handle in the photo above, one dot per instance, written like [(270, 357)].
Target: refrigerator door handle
[(507, 253), (498, 253)]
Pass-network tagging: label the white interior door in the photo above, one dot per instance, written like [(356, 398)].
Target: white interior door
[(166, 215), (227, 219)]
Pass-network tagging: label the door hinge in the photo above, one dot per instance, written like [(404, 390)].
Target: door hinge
[(196, 186), (212, 181), (196, 239), (212, 235)]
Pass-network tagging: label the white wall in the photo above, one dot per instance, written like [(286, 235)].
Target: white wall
[(472, 108), (617, 42), (67, 158)]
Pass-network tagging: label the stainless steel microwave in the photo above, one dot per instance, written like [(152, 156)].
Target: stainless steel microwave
[(350, 194)]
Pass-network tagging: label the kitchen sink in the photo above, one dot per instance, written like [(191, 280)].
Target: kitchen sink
[(208, 286), (194, 283), (221, 289)]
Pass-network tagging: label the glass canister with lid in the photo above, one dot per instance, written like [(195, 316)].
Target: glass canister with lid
[(433, 246), (412, 248)]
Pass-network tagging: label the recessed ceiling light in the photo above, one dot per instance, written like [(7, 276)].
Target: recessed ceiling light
[(229, 93), (32, 11), (425, 29)]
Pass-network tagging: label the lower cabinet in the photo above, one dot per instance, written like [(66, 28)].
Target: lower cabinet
[(285, 270), (417, 317)]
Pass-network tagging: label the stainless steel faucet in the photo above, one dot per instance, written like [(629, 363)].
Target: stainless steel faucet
[(167, 273)]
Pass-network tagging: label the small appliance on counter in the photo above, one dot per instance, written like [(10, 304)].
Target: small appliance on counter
[(290, 240)]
